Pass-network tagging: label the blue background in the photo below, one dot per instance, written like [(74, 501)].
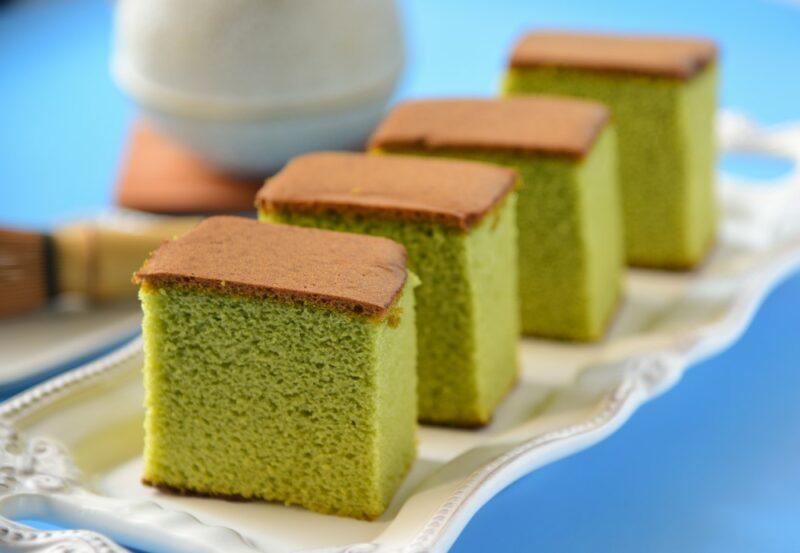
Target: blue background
[(713, 466)]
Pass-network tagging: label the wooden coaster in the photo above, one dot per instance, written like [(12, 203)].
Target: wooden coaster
[(161, 176)]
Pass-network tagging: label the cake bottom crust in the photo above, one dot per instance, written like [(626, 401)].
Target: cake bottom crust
[(696, 264), (474, 424), (175, 490), (612, 316), (234, 498), (693, 264)]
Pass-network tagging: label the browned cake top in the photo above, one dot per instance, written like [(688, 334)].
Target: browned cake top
[(673, 57), (363, 274), (529, 125), (453, 193)]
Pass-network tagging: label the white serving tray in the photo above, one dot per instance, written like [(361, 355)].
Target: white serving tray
[(70, 448), (47, 341)]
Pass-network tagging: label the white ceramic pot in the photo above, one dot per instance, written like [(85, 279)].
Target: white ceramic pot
[(248, 84)]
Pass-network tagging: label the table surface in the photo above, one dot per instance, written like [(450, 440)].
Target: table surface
[(714, 465)]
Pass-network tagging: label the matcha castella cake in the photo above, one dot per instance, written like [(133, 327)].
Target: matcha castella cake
[(279, 364), (570, 228), (457, 221), (662, 93)]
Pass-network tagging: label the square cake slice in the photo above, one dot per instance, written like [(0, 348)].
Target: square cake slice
[(662, 93), (279, 364), (568, 214), (457, 222)]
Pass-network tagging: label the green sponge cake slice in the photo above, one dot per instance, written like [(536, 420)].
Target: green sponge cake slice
[(279, 364), (570, 226), (662, 92), (457, 221)]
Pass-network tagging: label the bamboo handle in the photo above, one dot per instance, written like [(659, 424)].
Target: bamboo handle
[(98, 262)]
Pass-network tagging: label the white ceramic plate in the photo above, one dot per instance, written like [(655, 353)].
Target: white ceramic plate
[(70, 448)]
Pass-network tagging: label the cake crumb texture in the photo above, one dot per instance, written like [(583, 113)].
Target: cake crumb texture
[(287, 401), (467, 305), (571, 245), (666, 156)]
